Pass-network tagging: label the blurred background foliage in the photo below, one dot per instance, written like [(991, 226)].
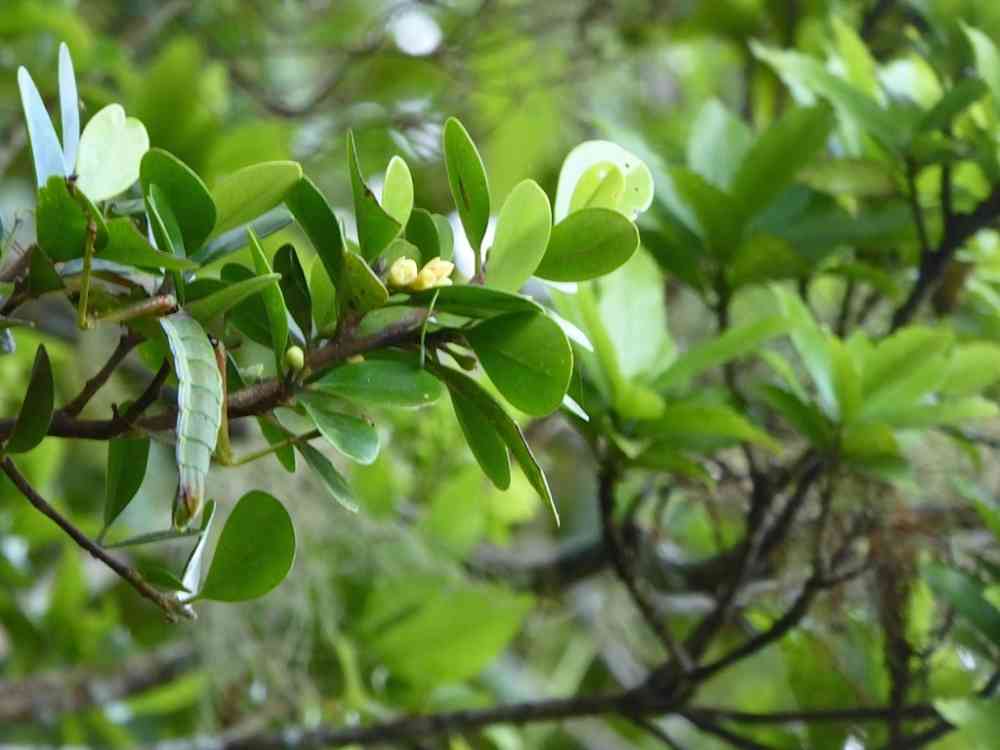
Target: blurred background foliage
[(224, 83)]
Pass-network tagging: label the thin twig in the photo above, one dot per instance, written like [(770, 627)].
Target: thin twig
[(173, 609), (126, 344)]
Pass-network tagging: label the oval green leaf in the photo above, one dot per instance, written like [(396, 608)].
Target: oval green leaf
[(474, 301), (376, 227), (294, 288), (228, 296), (397, 191), (332, 479), (381, 382), (111, 149), (528, 358), (311, 209), (587, 244), (255, 551), (355, 437), (274, 303), (188, 196), (467, 179), (523, 229), (127, 246)]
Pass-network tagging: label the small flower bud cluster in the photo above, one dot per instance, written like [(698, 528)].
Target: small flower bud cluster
[(403, 274)]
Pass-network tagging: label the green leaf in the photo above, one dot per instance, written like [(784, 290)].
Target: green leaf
[(166, 230), (580, 178), (467, 178), (709, 212), (422, 231), (977, 721), (470, 391), (778, 155), (360, 290), (484, 440), (473, 301), (987, 61), (127, 246), (61, 221), (446, 238), (45, 148), (954, 102), (804, 417), (35, 415), (69, 109), (717, 144), (162, 578), (111, 149), (353, 436), (274, 304), (860, 177), (324, 296), (956, 412), (852, 104), (846, 380), (199, 410), (736, 342), (601, 186), (320, 223), (42, 274), (699, 426), (187, 195), (376, 227), (250, 315), (236, 239), (228, 296), (397, 191), (127, 459), (811, 343), (588, 244), (294, 288), (381, 382), (527, 357), (432, 632), (522, 235), (274, 434), (973, 368), (247, 193), (965, 594), (255, 550), (335, 484)]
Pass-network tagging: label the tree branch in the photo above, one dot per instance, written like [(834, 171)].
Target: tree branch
[(173, 609), (126, 344)]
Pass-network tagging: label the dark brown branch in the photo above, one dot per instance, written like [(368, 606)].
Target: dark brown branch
[(932, 265), (43, 697), (623, 569), (173, 609)]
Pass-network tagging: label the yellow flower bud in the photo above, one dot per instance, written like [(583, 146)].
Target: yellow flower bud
[(425, 280), (295, 358), (402, 273), (440, 268)]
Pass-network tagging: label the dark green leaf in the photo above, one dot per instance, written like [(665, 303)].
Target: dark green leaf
[(61, 221), (162, 578), (184, 190), (467, 178), (965, 594), (376, 228), (294, 288), (422, 232), (484, 441), (274, 304), (42, 275), (35, 415), (334, 482), (127, 460), (274, 434), (166, 228), (250, 315), (587, 244), (778, 155), (527, 357), (956, 100), (255, 551), (320, 223), (705, 209), (229, 242), (470, 391), (381, 382)]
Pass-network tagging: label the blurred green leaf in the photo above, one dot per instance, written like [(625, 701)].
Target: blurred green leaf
[(333, 481), (965, 594)]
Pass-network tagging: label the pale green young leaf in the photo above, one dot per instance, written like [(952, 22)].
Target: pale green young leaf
[(522, 235), (111, 150)]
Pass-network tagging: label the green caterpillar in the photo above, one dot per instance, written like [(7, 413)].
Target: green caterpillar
[(199, 405)]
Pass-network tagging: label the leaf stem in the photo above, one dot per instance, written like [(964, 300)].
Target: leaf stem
[(88, 254)]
